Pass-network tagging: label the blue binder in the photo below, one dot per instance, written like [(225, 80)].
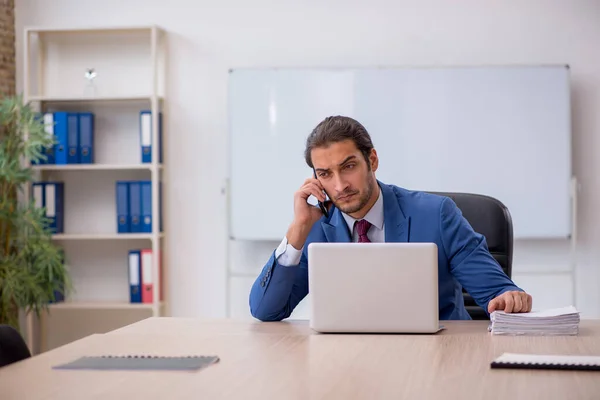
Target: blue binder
[(54, 204), (135, 207), (135, 276), (62, 138), (50, 151), (122, 191), (47, 119), (86, 138), (160, 207), (146, 187), (38, 194), (39, 118), (146, 136), (59, 296), (60, 292), (73, 138)]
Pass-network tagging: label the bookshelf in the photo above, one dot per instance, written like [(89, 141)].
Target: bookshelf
[(103, 236), (92, 167), (129, 63), (100, 305), (98, 99)]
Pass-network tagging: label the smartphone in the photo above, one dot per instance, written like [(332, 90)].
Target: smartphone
[(321, 205)]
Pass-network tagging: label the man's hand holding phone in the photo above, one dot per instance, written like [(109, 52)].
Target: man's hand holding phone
[(305, 214)]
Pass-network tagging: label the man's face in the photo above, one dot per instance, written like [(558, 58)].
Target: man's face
[(345, 175)]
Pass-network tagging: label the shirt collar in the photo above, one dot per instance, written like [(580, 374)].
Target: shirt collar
[(374, 215)]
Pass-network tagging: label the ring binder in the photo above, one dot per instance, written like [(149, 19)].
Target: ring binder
[(537, 361), (149, 356), (140, 362)]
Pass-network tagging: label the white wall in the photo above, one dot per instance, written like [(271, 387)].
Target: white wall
[(208, 38)]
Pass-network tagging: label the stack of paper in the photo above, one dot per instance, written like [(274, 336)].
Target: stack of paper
[(558, 321)]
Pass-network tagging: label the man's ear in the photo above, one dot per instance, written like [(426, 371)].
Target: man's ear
[(374, 160)]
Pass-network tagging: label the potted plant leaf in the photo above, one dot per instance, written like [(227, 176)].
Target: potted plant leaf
[(32, 267)]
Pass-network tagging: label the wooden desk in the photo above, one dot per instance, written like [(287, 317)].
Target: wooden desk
[(287, 360)]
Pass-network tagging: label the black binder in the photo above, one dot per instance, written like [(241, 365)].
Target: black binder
[(555, 362)]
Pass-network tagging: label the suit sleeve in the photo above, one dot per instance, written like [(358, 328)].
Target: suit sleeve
[(469, 258), (278, 289)]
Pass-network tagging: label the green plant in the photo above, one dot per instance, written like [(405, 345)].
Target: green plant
[(32, 267)]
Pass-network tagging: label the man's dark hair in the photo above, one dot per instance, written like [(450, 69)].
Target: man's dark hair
[(337, 129)]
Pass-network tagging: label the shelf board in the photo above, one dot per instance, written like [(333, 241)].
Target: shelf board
[(92, 167), (76, 305), (94, 29), (87, 99), (104, 236)]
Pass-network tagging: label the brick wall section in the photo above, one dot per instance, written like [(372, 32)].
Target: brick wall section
[(7, 48)]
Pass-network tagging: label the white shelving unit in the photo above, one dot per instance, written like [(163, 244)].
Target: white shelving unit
[(130, 66), (98, 99), (105, 236), (92, 167), (100, 306)]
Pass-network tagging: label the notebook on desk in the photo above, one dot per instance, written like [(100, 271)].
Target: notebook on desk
[(140, 362), (539, 361)]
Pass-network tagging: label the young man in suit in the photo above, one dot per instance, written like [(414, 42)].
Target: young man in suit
[(363, 209)]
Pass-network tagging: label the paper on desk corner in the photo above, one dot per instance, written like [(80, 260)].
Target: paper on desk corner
[(553, 312), (557, 321)]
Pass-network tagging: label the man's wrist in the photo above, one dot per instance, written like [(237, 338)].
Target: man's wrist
[(297, 234), (287, 255)]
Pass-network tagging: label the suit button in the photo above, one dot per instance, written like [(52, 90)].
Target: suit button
[(262, 283)]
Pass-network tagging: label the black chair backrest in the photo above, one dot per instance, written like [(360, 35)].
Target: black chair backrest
[(489, 217), (12, 346)]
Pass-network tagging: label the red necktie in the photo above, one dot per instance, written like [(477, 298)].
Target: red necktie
[(362, 227)]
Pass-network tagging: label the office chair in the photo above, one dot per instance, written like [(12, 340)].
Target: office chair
[(489, 217), (12, 346)]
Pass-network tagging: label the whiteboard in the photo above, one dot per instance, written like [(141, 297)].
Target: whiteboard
[(499, 131)]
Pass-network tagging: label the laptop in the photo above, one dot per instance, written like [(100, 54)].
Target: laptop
[(373, 287)]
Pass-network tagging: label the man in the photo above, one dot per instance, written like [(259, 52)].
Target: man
[(341, 153)]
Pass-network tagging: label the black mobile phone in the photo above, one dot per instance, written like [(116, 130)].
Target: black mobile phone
[(321, 205)]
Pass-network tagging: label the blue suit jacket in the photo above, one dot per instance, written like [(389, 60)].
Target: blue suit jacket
[(463, 257)]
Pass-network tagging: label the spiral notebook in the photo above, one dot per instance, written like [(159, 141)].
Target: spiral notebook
[(538, 361), (140, 362)]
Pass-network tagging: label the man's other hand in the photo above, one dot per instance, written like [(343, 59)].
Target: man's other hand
[(511, 302)]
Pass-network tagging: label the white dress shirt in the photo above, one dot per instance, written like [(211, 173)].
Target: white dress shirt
[(287, 255)]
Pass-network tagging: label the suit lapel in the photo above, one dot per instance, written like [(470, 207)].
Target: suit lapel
[(397, 225), (336, 230)]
